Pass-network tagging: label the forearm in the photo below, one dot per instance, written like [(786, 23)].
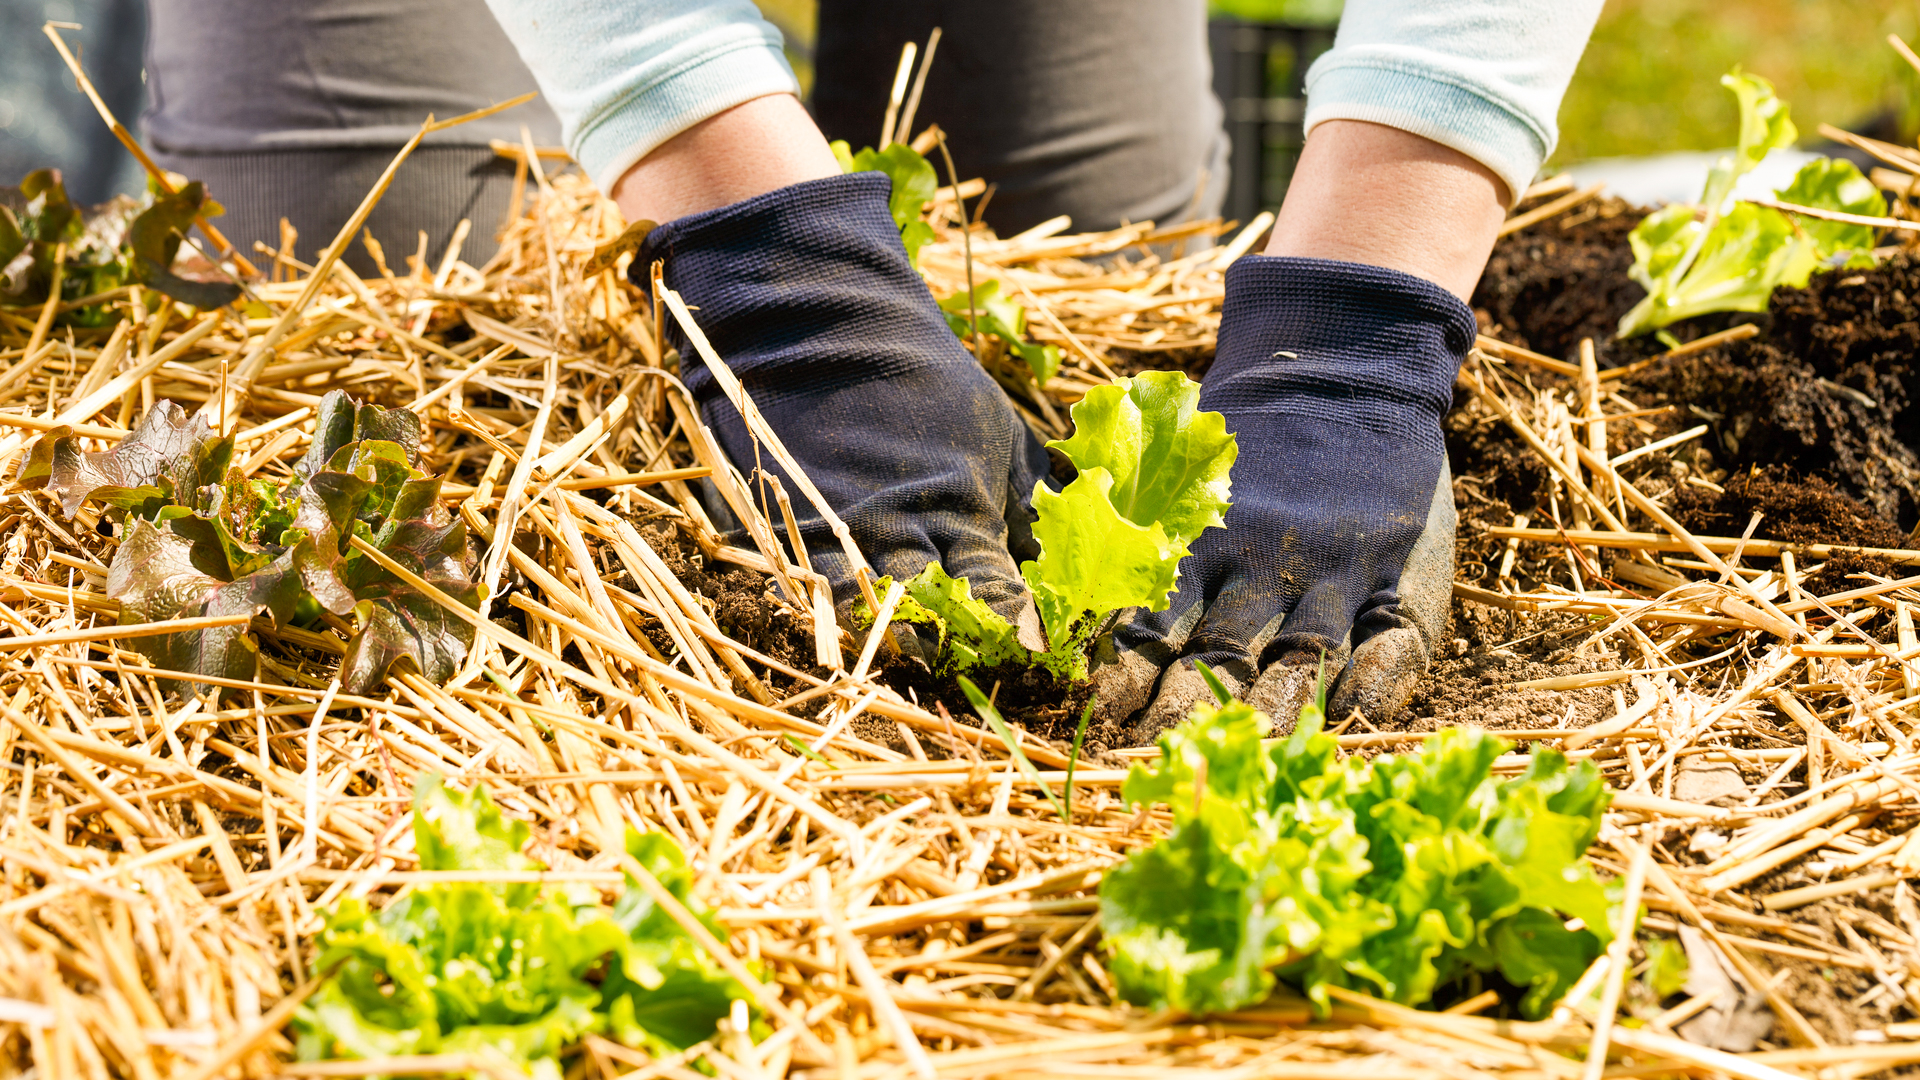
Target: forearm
[(627, 76), (1364, 193), (1425, 121)]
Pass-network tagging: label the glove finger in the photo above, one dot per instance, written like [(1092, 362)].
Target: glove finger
[(1288, 684), (1123, 679), (1181, 688), (1385, 670), (1127, 666), (1395, 632), (1239, 620)]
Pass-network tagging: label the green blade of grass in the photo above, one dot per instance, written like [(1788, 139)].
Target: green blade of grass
[(1213, 683), (807, 751), (992, 716), (1073, 759)]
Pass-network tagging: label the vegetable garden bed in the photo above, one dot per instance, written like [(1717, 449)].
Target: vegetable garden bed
[(897, 890)]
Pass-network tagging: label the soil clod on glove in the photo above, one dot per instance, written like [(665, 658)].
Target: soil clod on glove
[(1334, 377), (807, 295)]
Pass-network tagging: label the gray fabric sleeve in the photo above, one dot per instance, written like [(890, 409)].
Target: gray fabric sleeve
[(1102, 110), (229, 76)]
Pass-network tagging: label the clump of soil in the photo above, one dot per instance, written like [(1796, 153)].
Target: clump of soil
[(1826, 389), (742, 601), (1798, 511), (1804, 510), (1030, 697), (1766, 406)]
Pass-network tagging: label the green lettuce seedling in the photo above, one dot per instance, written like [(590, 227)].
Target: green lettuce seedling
[(1729, 255), (1394, 876), (1153, 473), (997, 316), (914, 183), (514, 969), (197, 538)]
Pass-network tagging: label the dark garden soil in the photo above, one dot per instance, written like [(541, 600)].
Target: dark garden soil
[(1811, 423)]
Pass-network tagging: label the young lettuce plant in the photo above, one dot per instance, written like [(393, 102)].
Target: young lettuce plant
[(997, 316), (1153, 474), (1733, 256), (1394, 876), (114, 244), (197, 538), (515, 969), (914, 183)]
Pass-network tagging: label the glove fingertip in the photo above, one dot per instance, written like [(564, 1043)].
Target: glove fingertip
[(1382, 676)]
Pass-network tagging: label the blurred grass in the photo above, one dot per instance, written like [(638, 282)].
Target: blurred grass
[(797, 20), (1649, 82)]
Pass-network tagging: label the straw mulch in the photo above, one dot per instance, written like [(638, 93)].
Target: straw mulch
[(916, 903)]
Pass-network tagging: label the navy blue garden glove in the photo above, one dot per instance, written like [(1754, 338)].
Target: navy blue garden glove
[(1339, 543), (807, 295)]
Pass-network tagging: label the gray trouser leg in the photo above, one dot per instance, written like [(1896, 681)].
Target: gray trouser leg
[(318, 191), (1102, 110)]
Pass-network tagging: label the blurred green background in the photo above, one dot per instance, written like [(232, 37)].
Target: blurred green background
[(1649, 82)]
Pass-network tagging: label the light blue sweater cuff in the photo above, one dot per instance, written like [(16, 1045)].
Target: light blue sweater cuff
[(627, 75), (1451, 115), (1484, 77)]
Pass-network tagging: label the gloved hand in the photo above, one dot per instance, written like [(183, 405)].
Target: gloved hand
[(1339, 543), (807, 294)]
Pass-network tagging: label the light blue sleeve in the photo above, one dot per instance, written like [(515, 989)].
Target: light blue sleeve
[(1484, 77), (627, 75)]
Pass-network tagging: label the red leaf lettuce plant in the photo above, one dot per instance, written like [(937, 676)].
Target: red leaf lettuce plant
[(197, 538)]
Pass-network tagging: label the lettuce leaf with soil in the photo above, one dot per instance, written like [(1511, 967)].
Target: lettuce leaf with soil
[(515, 969), (1727, 255), (1153, 474), (1395, 876), (198, 538)]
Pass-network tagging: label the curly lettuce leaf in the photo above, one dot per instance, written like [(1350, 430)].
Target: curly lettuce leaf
[(1765, 126), (1836, 184), (970, 633), (154, 239), (339, 422), (1169, 460), (463, 830), (997, 316), (1093, 562), (169, 458), (1153, 475), (159, 574), (513, 968), (398, 621), (1395, 876)]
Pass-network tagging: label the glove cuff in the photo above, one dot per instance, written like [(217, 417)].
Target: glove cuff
[(1320, 334), (790, 286)]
